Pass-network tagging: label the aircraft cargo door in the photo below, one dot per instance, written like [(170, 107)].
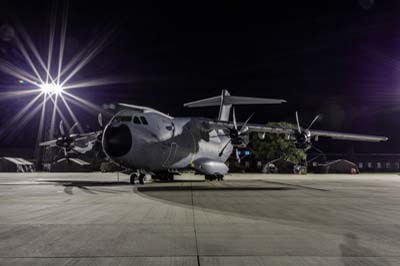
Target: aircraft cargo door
[(171, 154)]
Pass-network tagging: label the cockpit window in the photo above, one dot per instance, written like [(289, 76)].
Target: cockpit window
[(144, 121), (122, 118), (136, 120)]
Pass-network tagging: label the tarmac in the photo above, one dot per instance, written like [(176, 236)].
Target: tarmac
[(248, 219)]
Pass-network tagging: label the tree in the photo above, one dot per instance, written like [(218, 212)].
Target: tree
[(277, 146)]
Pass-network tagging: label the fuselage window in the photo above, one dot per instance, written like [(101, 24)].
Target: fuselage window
[(144, 121), (136, 120)]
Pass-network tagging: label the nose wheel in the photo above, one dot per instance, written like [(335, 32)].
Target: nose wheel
[(141, 179), (133, 178), (214, 177)]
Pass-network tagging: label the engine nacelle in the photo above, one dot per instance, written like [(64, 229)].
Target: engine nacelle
[(303, 140), (261, 136)]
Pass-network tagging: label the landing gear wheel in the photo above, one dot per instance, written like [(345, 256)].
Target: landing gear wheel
[(133, 178), (141, 179), (220, 177), (210, 177)]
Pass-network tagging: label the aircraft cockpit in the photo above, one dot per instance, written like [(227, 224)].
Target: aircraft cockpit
[(139, 120)]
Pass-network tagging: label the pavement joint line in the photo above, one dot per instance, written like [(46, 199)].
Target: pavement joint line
[(188, 256), (294, 185), (194, 227)]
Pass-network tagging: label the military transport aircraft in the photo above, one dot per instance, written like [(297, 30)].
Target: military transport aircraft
[(151, 142)]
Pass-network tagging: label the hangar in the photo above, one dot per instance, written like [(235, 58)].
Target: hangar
[(339, 166), (14, 164), (71, 165)]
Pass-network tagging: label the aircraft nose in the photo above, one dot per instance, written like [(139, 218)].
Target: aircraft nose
[(117, 141)]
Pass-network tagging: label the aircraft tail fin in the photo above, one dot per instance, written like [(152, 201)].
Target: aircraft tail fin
[(225, 101)]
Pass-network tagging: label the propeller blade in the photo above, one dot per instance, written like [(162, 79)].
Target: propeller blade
[(65, 153), (237, 155), (61, 127), (223, 149), (234, 119), (243, 129), (71, 130), (318, 150), (298, 123), (100, 120), (312, 123)]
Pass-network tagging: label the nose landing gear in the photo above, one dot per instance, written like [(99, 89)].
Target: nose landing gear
[(214, 177)]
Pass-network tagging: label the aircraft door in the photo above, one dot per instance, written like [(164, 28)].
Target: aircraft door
[(171, 154)]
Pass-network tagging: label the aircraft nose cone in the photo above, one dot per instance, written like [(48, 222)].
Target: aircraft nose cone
[(117, 141)]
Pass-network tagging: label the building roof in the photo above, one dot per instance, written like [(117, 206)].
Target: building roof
[(338, 161), (75, 160), (17, 161)]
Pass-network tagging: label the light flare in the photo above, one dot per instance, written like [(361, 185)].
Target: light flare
[(51, 88), (48, 86)]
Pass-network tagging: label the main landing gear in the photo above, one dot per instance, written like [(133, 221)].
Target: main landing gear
[(163, 177), (135, 176), (214, 177)]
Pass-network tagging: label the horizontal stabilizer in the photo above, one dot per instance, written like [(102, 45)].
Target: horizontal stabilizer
[(225, 102), (251, 100), (234, 100)]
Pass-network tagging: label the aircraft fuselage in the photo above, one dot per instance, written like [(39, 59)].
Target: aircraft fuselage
[(157, 143)]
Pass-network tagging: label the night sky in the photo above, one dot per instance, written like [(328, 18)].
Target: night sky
[(340, 59)]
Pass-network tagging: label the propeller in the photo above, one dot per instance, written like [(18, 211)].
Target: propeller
[(303, 135), (97, 148), (236, 135), (66, 142)]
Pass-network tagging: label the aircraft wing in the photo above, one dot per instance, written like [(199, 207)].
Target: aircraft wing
[(79, 139), (82, 140), (259, 128), (49, 143), (347, 136)]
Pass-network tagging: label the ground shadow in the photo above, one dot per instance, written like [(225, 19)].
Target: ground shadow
[(208, 188), (89, 187), (255, 198), (79, 183), (352, 250)]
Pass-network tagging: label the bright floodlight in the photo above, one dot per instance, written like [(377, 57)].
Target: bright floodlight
[(50, 88)]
